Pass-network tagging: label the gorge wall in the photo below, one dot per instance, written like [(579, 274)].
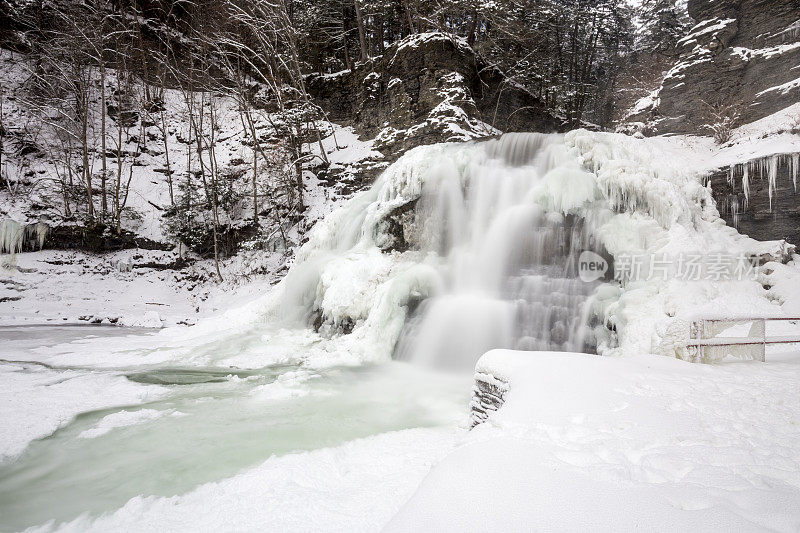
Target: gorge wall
[(759, 197), (742, 58)]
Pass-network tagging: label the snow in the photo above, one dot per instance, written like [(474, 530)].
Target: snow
[(707, 26), (764, 53), (586, 442), (417, 39), (123, 419), (342, 274), (642, 196), (783, 89), (644, 103), (447, 119), (36, 400), (637, 441), (56, 286)]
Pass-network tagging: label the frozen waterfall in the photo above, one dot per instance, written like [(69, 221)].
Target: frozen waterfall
[(509, 261), (462, 247), (15, 237), (467, 248)]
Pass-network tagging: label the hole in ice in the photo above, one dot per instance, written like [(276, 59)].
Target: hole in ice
[(189, 376)]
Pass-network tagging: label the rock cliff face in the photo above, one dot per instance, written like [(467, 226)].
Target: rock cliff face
[(425, 89), (760, 197), (742, 58)]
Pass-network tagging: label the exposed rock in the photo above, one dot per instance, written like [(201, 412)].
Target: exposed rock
[(741, 60), (400, 228), (425, 89), (488, 395), (98, 238), (761, 213)]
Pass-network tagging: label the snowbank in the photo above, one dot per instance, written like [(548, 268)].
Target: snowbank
[(595, 443)]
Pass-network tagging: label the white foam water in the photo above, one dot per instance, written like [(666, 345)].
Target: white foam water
[(508, 261)]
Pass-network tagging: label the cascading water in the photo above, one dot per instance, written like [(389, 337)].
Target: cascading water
[(456, 249), (508, 263)]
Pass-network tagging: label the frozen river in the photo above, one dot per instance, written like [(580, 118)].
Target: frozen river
[(101, 435)]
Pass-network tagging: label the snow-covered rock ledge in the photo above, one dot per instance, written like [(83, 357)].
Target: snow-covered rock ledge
[(488, 395)]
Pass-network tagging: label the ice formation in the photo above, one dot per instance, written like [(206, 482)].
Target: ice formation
[(458, 248), (11, 236), (766, 167), (14, 237)]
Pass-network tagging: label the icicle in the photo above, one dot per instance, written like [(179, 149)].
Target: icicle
[(12, 236), (795, 166), (772, 175), (37, 231), (730, 175), (746, 183), (735, 210)]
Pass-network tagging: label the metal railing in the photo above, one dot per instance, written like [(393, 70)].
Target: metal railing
[(701, 338)]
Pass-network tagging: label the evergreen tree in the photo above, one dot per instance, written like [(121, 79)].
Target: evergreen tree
[(662, 24)]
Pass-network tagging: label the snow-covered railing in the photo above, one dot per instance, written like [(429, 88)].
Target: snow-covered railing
[(701, 334)]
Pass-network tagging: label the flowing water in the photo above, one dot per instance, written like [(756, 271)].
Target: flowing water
[(510, 264), (210, 423)]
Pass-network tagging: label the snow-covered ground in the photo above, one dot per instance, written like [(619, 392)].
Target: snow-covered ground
[(620, 444), (53, 286), (135, 288)]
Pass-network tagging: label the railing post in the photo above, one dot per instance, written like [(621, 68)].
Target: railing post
[(701, 350), (694, 342), (763, 340)]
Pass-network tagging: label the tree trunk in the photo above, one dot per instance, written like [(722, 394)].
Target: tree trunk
[(362, 39), (214, 174), (87, 174), (2, 132), (118, 185), (409, 18), (166, 157), (473, 26), (255, 186), (348, 63), (104, 200)]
